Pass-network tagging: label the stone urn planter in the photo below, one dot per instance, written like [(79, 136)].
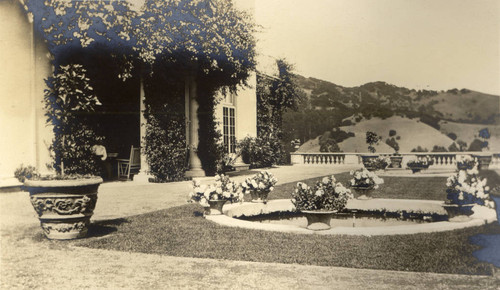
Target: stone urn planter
[(396, 161), (363, 192), (259, 196), (64, 207), (455, 210), (318, 220), (417, 168), (483, 161), (215, 207), (367, 160)]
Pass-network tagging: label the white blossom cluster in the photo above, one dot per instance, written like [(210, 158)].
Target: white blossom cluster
[(222, 189), (262, 181), (466, 182), (364, 178)]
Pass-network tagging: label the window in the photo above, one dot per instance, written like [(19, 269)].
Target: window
[(229, 130)]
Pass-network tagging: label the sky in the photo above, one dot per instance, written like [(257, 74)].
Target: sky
[(419, 44)]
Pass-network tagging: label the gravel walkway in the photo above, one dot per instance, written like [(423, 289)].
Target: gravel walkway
[(30, 262)]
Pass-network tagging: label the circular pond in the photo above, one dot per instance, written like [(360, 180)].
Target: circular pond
[(348, 219), (373, 217)]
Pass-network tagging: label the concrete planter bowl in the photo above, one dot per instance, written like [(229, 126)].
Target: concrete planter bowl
[(64, 207)]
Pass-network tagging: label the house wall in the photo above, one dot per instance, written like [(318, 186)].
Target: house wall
[(245, 105), (24, 65)]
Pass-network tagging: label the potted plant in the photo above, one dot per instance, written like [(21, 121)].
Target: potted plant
[(213, 197), (363, 182), (465, 190), (320, 202), (418, 163), (259, 186), (378, 163), (65, 202), (465, 162)]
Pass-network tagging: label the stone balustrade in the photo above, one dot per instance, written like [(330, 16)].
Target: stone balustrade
[(442, 160)]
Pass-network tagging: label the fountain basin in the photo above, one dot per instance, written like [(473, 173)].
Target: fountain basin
[(232, 212)]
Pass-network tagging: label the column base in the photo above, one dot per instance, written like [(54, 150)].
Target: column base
[(195, 172), (142, 177)]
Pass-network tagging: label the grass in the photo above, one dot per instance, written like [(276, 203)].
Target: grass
[(182, 231), (434, 188)]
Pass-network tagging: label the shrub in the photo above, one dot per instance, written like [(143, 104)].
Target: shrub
[(372, 139), (68, 99), (340, 135), (462, 145), (392, 133), (393, 143), (259, 152), (166, 149), (476, 145), (22, 173), (327, 143), (346, 123), (431, 121), (452, 136), (453, 147), (437, 148), (419, 149)]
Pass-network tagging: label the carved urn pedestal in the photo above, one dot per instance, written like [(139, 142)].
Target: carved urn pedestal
[(64, 207)]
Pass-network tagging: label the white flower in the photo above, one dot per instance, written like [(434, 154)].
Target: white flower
[(204, 202), (325, 180), (271, 188), (319, 192)]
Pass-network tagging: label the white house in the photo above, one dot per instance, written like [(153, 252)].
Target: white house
[(26, 137)]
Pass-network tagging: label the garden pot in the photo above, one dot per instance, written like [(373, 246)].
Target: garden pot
[(363, 192), (464, 166), (455, 210), (215, 207), (259, 196), (64, 207), (367, 161), (483, 161), (415, 169), (318, 220), (396, 161)]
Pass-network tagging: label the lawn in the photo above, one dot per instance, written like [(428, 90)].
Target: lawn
[(182, 231)]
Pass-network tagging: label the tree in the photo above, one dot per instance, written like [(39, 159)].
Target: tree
[(275, 95), (372, 139)]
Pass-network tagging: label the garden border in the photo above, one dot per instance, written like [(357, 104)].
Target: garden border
[(481, 216)]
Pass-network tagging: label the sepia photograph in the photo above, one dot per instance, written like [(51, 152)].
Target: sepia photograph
[(250, 144)]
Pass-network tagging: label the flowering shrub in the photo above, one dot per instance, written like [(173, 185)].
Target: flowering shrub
[(378, 163), (327, 194), (466, 162), (223, 189), (262, 181), (364, 178), (465, 187), (420, 161)]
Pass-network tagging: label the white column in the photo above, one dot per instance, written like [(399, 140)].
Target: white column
[(195, 169), (143, 175)]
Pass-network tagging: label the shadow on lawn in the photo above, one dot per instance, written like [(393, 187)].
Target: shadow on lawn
[(105, 227)]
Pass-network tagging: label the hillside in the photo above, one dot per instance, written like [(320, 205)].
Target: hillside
[(411, 132), (419, 114), (380, 99)]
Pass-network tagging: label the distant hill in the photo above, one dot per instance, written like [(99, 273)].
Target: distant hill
[(411, 133), (417, 115), (380, 99)]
